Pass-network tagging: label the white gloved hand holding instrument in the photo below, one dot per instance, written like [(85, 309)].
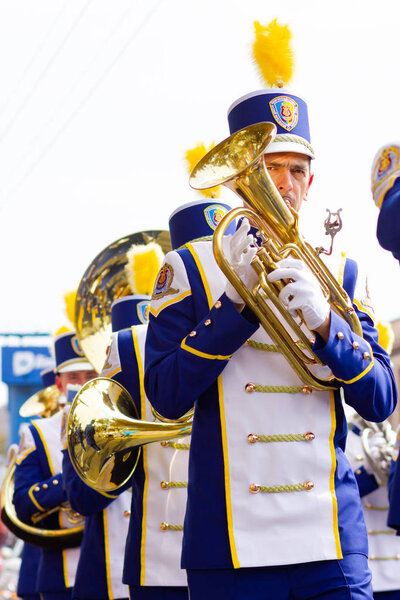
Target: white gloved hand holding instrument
[(303, 292), (242, 251)]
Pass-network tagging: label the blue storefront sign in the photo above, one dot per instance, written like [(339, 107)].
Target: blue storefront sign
[(23, 357)]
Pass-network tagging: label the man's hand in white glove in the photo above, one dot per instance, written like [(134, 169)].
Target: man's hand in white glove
[(302, 293), (377, 449), (242, 252)]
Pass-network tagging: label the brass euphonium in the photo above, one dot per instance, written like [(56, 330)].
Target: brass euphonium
[(238, 163), (105, 434), (36, 534)]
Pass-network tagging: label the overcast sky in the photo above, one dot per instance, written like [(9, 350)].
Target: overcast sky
[(100, 99)]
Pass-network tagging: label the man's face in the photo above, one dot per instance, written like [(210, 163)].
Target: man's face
[(74, 377), (290, 172)]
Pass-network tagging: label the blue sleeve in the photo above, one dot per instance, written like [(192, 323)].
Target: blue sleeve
[(184, 357), (394, 496), (366, 482), (82, 498), (388, 227), (33, 493), (362, 367)]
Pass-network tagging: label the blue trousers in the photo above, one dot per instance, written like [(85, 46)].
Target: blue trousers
[(158, 593), (346, 579), (393, 595), (62, 595)]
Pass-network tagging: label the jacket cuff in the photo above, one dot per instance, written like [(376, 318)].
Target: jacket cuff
[(348, 355), (221, 332), (47, 494)]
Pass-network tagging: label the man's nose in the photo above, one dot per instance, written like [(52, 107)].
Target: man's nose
[(285, 182)]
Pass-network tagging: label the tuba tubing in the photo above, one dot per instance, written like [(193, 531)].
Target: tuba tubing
[(52, 539)]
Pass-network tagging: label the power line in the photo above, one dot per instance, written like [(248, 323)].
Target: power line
[(29, 147), (90, 93), (33, 58), (44, 72)]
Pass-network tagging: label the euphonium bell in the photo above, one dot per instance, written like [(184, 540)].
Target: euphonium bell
[(105, 434), (238, 163)]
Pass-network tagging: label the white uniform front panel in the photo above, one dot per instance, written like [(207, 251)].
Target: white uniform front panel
[(117, 521), (263, 524), (161, 550), (51, 435)]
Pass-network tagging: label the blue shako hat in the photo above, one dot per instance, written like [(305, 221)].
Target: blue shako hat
[(128, 311), (279, 106), (196, 220), (48, 377), (69, 354)]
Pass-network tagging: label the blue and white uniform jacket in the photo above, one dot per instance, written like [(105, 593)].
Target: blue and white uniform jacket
[(388, 227), (159, 483), (39, 487), (394, 489), (99, 573), (306, 505), (384, 545)]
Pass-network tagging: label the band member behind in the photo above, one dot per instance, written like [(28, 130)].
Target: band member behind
[(38, 477)]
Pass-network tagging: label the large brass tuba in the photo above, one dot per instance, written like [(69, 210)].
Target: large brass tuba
[(238, 163), (103, 282), (35, 534), (105, 435)]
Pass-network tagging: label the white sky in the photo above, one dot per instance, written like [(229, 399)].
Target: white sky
[(100, 99)]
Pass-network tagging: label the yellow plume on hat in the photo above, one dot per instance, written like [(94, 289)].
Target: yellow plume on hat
[(385, 335), (144, 263), (62, 329), (272, 53), (70, 298), (192, 156)]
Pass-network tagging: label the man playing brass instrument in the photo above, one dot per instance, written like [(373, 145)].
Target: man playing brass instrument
[(273, 508), (38, 476)]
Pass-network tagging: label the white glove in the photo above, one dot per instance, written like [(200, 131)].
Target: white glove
[(385, 170), (303, 293), (241, 254), (376, 444)]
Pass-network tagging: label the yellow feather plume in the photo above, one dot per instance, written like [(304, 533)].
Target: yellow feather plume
[(192, 156), (272, 53), (144, 263), (62, 329), (385, 335), (69, 299)]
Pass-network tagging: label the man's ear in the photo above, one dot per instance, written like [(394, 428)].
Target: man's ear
[(309, 184), (58, 383)]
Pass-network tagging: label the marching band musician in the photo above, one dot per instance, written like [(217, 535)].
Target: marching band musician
[(30, 557), (38, 477), (153, 547), (273, 508), (384, 546), (385, 185), (100, 567)]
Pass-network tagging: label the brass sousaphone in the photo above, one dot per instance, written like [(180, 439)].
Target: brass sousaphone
[(36, 534), (104, 433), (104, 281), (238, 163)]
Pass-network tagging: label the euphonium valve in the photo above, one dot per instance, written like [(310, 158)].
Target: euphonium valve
[(105, 434), (238, 163)]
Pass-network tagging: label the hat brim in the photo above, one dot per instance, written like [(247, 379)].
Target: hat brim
[(75, 366), (289, 147)]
